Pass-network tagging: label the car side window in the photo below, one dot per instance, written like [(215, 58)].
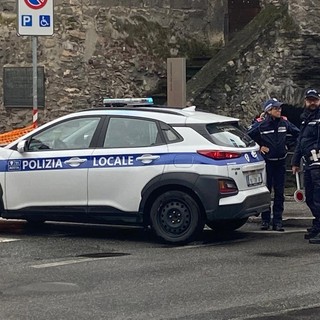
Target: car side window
[(131, 132), (71, 134), (171, 135), (227, 134)]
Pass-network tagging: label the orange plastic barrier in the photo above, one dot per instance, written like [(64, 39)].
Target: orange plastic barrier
[(10, 136)]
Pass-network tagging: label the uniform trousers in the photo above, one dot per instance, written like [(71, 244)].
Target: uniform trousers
[(312, 191), (276, 174)]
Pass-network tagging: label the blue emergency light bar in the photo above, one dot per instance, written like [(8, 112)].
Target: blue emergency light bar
[(126, 102)]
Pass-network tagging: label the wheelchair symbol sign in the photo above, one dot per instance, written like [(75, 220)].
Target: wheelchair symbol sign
[(44, 21), (35, 4)]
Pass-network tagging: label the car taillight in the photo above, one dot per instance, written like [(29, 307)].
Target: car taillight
[(219, 155), (227, 187)]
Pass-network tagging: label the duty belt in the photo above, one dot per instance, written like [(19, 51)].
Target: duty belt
[(276, 159), (315, 156)]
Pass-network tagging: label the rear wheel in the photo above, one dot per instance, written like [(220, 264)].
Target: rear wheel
[(226, 225), (176, 217)]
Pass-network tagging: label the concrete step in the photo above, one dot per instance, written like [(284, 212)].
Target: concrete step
[(295, 214)]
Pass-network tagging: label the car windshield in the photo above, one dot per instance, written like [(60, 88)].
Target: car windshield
[(228, 135)]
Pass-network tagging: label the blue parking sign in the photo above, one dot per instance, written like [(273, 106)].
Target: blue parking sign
[(26, 20)]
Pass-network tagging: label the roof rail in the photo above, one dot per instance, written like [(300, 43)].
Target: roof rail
[(107, 102)]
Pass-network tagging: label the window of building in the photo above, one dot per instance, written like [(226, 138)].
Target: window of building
[(240, 13)]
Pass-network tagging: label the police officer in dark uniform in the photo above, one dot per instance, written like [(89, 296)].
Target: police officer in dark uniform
[(308, 148), (270, 132)]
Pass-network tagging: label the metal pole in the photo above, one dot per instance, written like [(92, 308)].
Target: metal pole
[(35, 82)]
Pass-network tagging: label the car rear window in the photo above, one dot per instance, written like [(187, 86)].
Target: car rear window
[(228, 135)]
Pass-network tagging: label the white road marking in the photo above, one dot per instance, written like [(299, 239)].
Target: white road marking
[(65, 262), (278, 313), (189, 246), (8, 240)]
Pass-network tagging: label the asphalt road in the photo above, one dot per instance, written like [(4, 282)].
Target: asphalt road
[(66, 271)]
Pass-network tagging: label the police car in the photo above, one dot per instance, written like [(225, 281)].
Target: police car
[(174, 170)]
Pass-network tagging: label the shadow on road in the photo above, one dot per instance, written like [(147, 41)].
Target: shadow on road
[(118, 233)]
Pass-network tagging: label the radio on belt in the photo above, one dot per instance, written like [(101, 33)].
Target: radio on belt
[(314, 155)]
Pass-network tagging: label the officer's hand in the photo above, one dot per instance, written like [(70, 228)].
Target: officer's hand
[(264, 149), (295, 169)]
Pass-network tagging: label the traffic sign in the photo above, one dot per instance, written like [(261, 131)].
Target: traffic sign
[(35, 17), (36, 4)]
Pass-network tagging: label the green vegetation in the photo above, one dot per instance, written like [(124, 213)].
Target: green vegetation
[(156, 39), (289, 24), (193, 48), (264, 22), (150, 35)]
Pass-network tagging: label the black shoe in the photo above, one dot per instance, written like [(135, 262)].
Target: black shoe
[(311, 232), (278, 227), (264, 225), (315, 239), (310, 235)]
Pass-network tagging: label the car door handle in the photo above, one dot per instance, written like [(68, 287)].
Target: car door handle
[(147, 158), (75, 162)]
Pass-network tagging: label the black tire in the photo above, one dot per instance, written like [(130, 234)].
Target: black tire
[(176, 217), (226, 225)]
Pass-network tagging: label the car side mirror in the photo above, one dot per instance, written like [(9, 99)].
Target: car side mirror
[(21, 146)]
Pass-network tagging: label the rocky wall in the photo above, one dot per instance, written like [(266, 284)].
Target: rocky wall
[(118, 48), (106, 48), (282, 61)]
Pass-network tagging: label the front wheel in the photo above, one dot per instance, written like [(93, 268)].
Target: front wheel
[(226, 225), (176, 217)]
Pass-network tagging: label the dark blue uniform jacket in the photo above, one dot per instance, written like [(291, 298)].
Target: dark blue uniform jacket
[(309, 138), (277, 134)]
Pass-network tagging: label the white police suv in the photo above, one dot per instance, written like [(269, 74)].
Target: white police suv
[(171, 169)]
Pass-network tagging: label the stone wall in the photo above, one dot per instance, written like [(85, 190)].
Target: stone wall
[(118, 48), (106, 48), (282, 61)]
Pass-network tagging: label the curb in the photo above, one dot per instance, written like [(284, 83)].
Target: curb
[(302, 222), (305, 222)]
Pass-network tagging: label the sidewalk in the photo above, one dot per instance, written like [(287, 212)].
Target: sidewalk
[(296, 214)]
